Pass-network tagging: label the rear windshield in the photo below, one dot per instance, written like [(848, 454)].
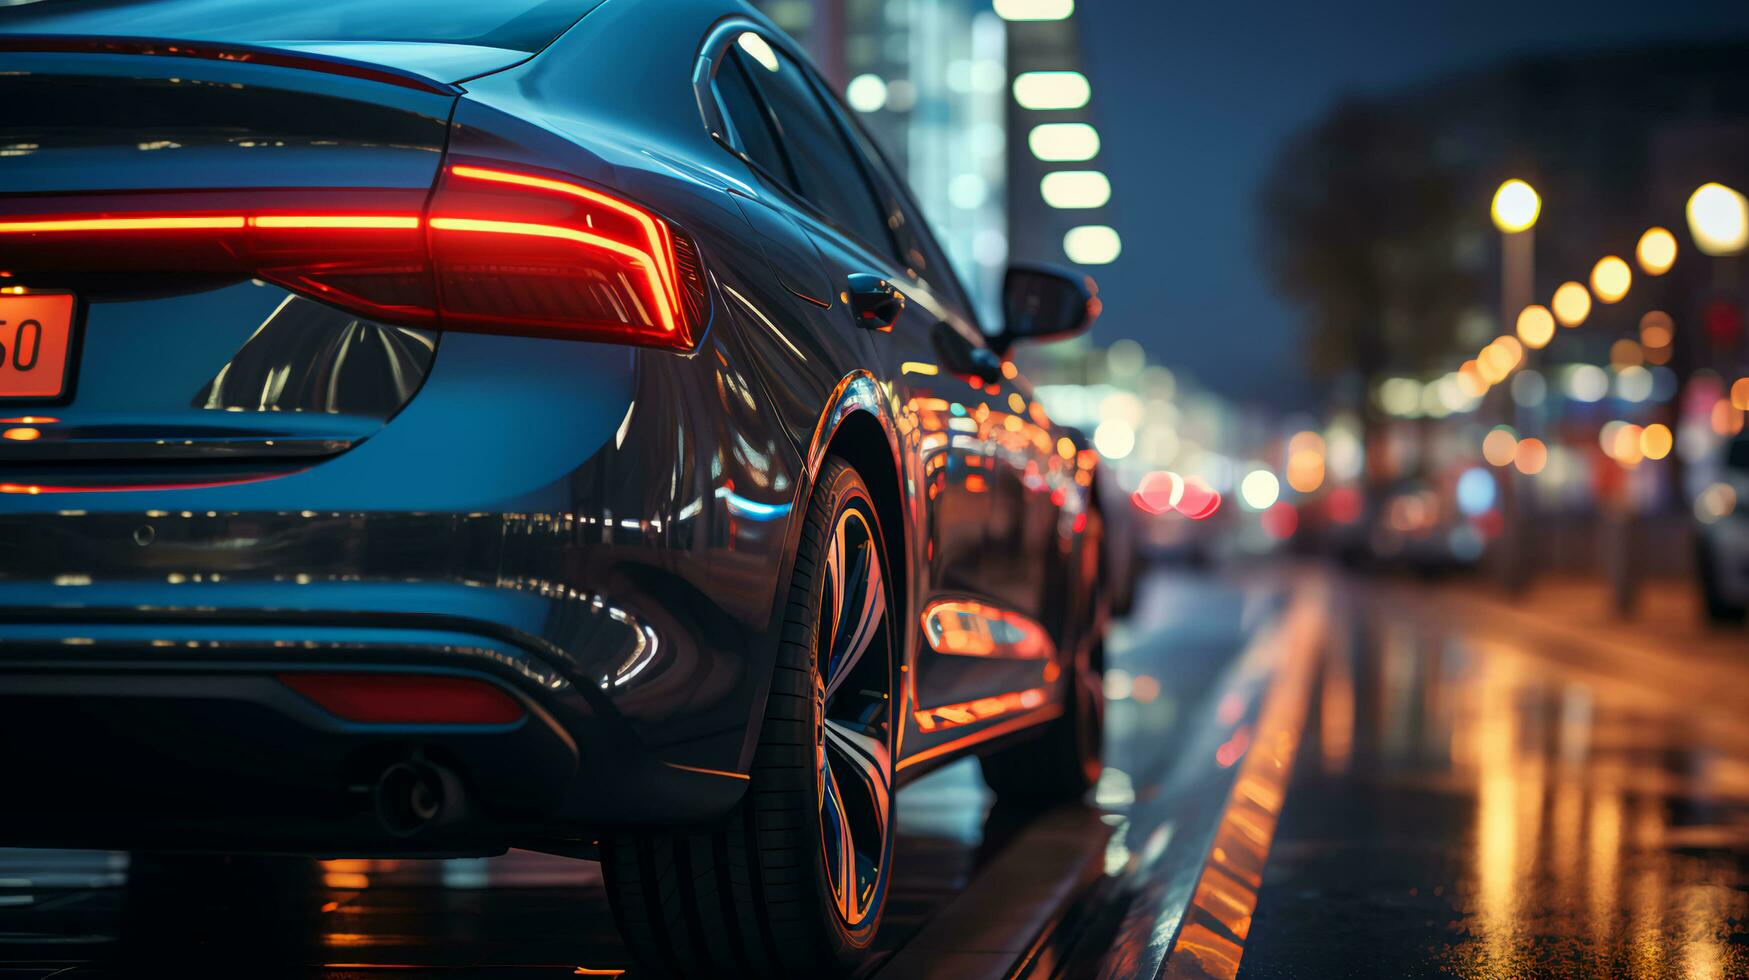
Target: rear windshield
[(520, 25)]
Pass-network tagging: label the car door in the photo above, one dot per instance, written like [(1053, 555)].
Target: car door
[(969, 431)]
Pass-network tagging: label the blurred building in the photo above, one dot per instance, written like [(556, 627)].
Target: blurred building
[(939, 83), (1560, 446)]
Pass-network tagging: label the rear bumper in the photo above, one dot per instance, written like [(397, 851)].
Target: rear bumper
[(142, 729)]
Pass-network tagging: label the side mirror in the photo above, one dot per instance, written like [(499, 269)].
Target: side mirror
[(1043, 303)]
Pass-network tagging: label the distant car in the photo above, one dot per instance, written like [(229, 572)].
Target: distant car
[(1722, 544), (435, 426)]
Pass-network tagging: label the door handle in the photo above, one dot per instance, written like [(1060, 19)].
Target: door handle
[(874, 302)]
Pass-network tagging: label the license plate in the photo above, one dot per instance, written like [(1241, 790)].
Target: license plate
[(36, 336)]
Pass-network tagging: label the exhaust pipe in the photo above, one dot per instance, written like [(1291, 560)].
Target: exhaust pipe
[(417, 795)]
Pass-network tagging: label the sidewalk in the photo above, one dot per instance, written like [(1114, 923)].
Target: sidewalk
[(1666, 646)]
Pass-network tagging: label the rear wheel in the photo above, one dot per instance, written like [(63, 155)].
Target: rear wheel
[(794, 881)]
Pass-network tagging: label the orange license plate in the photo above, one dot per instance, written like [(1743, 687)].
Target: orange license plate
[(36, 336)]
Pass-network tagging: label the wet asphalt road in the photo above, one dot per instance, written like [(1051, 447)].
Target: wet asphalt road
[(1308, 778)]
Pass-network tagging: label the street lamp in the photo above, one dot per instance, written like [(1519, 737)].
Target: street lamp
[(1610, 279), (1718, 218), (1516, 206), (1515, 209), (1656, 252), (1572, 304)]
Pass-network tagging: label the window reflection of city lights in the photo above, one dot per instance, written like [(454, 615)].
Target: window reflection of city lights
[(758, 48)]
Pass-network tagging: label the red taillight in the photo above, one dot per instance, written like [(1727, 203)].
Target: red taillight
[(406, 699), (518, 252), (498, 251)]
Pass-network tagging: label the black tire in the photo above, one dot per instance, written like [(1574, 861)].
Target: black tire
[(1064, 760), (755, 896)]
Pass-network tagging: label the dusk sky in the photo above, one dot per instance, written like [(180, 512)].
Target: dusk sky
[(1193, 99)]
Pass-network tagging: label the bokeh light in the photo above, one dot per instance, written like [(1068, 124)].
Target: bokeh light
[(1092, 244), (1718, 218), (1114, 438), (1656, 441), (1066, 189), (1063, 142), (1586, 383), (1626, 353), (1610, 279), (1034, 9), (866, 93), (1657, 329), (1500, 445), (1531, 456), (1515, 206), (1716, 502), (1259, 490), (1476, 491), (1656, 251), (1536, 326), (1051, 90), (1281, 520), (1572, 303)]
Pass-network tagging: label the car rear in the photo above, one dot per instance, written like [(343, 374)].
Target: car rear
[(293, 421)]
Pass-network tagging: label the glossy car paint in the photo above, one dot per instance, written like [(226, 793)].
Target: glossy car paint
[(603, 530)]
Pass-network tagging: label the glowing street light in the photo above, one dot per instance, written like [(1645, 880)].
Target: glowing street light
[(1572, 303), (1656, 252), (1536, 326), (1718, 218), (1516, 206), (1610, 279)]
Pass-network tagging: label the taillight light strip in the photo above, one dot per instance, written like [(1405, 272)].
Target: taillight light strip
[(664, 310), (212, 222), (644, 241), (660, 250)]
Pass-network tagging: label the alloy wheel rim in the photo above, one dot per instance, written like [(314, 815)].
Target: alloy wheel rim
[(853, 720)]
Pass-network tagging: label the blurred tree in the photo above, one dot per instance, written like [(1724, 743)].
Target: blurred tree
[(1361, 230)]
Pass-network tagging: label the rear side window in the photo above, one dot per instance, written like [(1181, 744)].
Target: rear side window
[(821, 163), (752, 124)]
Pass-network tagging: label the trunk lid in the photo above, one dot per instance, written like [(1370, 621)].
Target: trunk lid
[(181, 352)]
